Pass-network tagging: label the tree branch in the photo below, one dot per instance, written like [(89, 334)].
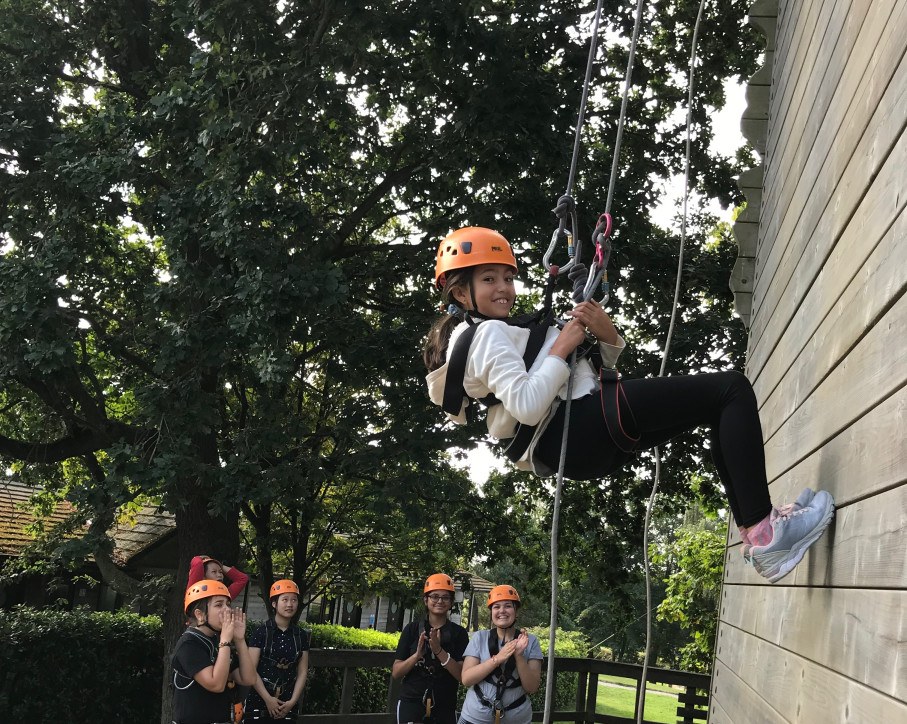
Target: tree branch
[(353, 219)]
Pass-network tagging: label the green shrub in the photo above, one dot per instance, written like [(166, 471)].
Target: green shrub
[(79, 666), (324, 685), (574, 644)]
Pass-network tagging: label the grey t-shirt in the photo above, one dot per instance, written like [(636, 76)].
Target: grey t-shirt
[(478, 713)]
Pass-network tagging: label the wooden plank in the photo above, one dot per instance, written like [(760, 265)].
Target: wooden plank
[(858, 462), (826, 56), (867, 293), (872, 371), (857, 632), (718, 715), (846, 157), (792, 174), (348, 718), (789, 158), (865, 547), (798, 689), (833, 315), (733, 695), (347, 689), (792, 41)]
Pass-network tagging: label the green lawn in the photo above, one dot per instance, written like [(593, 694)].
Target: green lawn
[(618, 701), (632, 682)]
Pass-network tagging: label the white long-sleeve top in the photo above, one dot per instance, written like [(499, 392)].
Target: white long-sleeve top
[(530, 397)]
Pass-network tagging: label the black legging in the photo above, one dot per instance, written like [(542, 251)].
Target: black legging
[(659, 409)]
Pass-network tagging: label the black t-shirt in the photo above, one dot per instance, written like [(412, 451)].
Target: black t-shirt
[(192, 702), (428, 673)]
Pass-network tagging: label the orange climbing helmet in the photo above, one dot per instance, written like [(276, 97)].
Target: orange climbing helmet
[(205, 588), (438, 582), (284, 585), (471, 246), (503, 593)]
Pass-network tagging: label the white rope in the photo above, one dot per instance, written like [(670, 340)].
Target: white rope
[(641, 703)]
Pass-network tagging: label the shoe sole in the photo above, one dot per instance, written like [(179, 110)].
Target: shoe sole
[(802, 546)]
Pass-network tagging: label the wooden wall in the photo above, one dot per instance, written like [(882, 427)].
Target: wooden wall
[(828, 359)]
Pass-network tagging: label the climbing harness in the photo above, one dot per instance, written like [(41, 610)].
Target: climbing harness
[(276, 674), (458, 357), (212, 655), (501, 678)]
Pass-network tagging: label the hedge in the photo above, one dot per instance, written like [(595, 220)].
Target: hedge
[(322, 692), (60, 666), (96, 666)]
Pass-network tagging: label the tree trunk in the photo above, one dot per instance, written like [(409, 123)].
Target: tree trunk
[(197, 533)]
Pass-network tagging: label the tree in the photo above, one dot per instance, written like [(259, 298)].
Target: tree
[(695, 558), (216, 222)]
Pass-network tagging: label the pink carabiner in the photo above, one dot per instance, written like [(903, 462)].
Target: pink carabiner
[(599, 253)]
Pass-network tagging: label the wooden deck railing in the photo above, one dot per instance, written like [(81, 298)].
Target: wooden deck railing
[(693, 701)]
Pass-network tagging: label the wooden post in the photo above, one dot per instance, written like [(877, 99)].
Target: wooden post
[(346, 693), (393, 693), (581, 684), (591, 697)]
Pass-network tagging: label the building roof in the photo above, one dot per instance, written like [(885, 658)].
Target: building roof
[(16, 515), (137, 533), (132, 534)]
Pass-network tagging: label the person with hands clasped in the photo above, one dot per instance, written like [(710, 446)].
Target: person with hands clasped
[(429, 658), (503, 665), (280, 652), (210, 657), (519, 368)]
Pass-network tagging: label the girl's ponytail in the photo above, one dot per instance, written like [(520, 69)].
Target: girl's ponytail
[(434, 351)]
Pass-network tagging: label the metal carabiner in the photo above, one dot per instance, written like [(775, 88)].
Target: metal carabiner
[(598, 271)]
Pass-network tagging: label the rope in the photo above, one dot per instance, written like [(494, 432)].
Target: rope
[(641, 703), (587, 293), (558, 488)]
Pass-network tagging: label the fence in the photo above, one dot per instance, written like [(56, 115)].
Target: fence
[(693, 702)]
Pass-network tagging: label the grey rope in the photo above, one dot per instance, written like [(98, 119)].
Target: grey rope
[(641, 703), (565, 207), (556, 512)]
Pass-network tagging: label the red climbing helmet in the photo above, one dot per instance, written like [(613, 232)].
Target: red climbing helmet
[(471, 246)]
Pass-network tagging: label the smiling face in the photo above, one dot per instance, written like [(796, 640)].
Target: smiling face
[(503, 614), (492, 289), (438, 602)]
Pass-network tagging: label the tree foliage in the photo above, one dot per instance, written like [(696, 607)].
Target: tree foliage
[(218, 220), (695, 560)]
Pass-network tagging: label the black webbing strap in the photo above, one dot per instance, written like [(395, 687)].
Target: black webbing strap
[(502, 678), (612, 392), (519, 443), (457, 359)]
